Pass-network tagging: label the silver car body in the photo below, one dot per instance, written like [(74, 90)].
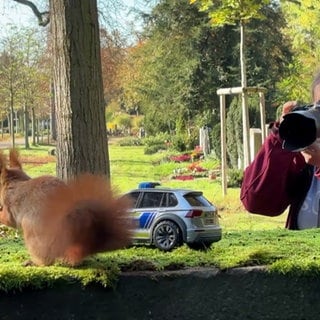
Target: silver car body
[(195, 216)]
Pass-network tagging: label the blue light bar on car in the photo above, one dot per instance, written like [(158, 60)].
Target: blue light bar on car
[(144, 185)]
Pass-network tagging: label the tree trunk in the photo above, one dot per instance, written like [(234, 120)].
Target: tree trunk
[(12, 115), (81, 126), (33, 126), (38, 131), (245, 112), (53, 122), (26, 127), (243, 66)]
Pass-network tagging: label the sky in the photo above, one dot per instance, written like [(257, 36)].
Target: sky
[(22, 16), (15, 14)]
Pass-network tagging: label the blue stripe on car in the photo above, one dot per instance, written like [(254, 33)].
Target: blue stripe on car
[(146, 219), (150, 220)]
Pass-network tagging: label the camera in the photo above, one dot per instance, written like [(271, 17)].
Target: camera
[(301, 127)]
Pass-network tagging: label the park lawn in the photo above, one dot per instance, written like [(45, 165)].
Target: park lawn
[(248, 240)]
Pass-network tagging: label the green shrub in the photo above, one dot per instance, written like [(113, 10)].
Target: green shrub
[(234, 133), (235, 177), (153, 144), (131, 141), (161, 138), (216, 140), (179, 143), (154, 148)]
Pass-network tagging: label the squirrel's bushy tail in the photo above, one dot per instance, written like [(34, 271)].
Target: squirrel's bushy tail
[(81, 218)]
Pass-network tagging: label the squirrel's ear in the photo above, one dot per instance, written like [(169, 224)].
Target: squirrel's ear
[(3, 161), (14, 161)]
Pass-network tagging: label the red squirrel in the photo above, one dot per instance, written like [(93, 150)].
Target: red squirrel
[(62, 221)]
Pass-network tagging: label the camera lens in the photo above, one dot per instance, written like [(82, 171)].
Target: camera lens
[(300, 128)]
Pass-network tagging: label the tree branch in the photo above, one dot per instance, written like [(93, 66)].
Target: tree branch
[(43, 17)]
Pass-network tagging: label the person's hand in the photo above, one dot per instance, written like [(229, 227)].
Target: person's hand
[(311, 153), (287, 107)]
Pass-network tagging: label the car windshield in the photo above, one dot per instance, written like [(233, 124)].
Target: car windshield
[(197, 200)]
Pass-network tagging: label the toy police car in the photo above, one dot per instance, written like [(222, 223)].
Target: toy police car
[(167, 217)]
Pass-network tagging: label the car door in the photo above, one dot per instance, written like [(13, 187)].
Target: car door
[(146, 211)]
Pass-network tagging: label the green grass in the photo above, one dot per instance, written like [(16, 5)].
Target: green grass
[(248, 240)]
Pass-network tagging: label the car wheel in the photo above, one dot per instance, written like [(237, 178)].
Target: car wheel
[(200, 245), (166, 235)]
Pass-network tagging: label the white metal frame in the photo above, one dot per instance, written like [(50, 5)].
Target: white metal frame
[(243, 91)]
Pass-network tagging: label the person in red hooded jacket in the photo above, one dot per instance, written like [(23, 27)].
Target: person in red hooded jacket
[(278, 178)]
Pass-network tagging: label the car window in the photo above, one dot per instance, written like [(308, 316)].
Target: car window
[(134, 198), (151, 200), (172, 200), (196, 200)]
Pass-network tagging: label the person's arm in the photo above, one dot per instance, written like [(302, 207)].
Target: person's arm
[(267, 179)]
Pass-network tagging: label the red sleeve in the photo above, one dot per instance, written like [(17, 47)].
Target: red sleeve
[(264, 188)]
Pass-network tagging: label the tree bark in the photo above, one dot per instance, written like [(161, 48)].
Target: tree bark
[(12, 121), (245, 112), (26, 127), (80, 110), (53, 118), (33, 126)]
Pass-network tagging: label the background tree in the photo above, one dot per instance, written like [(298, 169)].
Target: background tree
[(24, 79), (78, 89), (79, 101), (11, 75), (128, 77), (41, 108), (34, 83), (232, 12), (164, 64), (113, 51), (303, 30), (174, 72), (242, 13)]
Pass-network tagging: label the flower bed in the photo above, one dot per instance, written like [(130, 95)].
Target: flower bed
[(183, 177), (181, 158), (193, 169)]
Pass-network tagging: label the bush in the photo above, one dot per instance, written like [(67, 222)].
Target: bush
[(216, 140), (165, 141), (179, 143), (154, 148), (160, 138), (155, 143), (131, 141), (235, 177)]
